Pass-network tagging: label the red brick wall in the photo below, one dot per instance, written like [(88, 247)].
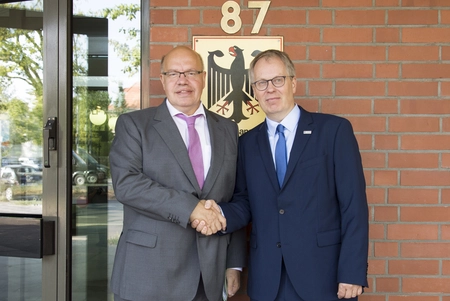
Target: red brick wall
[(384, 65)]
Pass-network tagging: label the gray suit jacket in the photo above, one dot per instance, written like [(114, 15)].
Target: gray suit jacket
[(159, 256)]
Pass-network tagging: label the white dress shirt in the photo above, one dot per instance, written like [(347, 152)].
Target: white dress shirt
[(201, 125), (290, 123)]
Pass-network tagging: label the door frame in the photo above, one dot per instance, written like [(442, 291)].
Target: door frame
[(56, 269)]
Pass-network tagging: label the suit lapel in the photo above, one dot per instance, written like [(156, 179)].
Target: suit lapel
[(216, 134), (266, 155), (170, 134), (305, 129)]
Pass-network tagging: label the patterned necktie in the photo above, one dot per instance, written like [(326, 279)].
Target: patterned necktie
[(280, 155), (194, 148)]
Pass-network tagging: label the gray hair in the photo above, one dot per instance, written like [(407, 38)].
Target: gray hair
[(273, 53)]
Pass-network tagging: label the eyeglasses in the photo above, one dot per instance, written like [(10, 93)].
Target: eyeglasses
[(177, 74), (277, 81)]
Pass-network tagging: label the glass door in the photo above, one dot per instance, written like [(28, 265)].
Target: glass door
[(27, 224), (106, 83)]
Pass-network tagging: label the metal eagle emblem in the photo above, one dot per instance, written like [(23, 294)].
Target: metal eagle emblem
[(231, 86)]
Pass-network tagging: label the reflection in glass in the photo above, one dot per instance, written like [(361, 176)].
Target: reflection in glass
[(106, 61), (21, 95)]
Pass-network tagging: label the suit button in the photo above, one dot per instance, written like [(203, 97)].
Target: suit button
[(278, 244), (281, 211)]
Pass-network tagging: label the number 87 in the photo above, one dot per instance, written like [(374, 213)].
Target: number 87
[(233, 15)]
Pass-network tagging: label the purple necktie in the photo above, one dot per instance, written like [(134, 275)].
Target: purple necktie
[(194, 148)]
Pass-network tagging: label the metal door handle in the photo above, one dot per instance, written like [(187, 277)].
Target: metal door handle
[(49, 139)]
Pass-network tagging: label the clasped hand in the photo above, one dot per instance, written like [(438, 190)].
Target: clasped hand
[(207, 218)]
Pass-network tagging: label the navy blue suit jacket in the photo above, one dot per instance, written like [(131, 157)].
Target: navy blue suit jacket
[(317, 222)]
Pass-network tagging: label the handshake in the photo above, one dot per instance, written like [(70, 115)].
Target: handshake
[(207, 218)]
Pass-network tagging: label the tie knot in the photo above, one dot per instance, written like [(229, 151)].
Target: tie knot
[(280, 129), (190, 120)]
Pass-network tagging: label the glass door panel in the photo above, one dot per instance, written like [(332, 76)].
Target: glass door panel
[(106, 83), (21, 97)]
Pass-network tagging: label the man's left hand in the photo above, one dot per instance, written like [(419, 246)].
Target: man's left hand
[(348, 291), (233, 281)]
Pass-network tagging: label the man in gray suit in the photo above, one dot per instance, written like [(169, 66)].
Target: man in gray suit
[(159, 256)]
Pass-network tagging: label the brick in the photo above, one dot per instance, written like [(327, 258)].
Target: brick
[(425, 250), (386, 249), (386, 106), (309, 104), (364, 141), (347, 35), (377, 231), (424, 178), (413, 196), (158, 51), (445, 196), (445, 88), (207, 3), (165, 3), (376, 195), (320, 17), (426, 35), (307, 70), (188, 17), (373, 160), (320, 88), (445, 230), (446, 125), (426, 3), (413, 160), (425, 285), (347, 3), (298, 35), (161, 16), (388, 284), (368, 177), (359, 17), (377, 267), (386, 142), (414, 124), (368, 124), (413, 267), (446, 267), (445, 52), (387, 70), (412, 88), (156, 87), (346, 106), (207, 31), (295, 52), (413, 53), (295, 3), (426, 71), (360, 53), (347, 70), (412, 232), (168, 34), (413, 298), (445, 17), (425, 214), (387, 35), (360, 88), (424, 106), (425, 142), (412, 17), (385, 178), (445, 161), (386, 3), (285, 17), (386, 214), (320, 53)]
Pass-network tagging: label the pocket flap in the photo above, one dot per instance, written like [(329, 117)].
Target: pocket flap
[(328, 238), (141, 238)]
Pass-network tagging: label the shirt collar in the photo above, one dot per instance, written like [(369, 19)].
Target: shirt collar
[(173, 111), (289, 122)]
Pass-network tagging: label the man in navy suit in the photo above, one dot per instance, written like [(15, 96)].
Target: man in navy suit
[(309, 234)]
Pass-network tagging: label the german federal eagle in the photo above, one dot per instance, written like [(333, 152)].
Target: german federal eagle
[(230, 85)]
